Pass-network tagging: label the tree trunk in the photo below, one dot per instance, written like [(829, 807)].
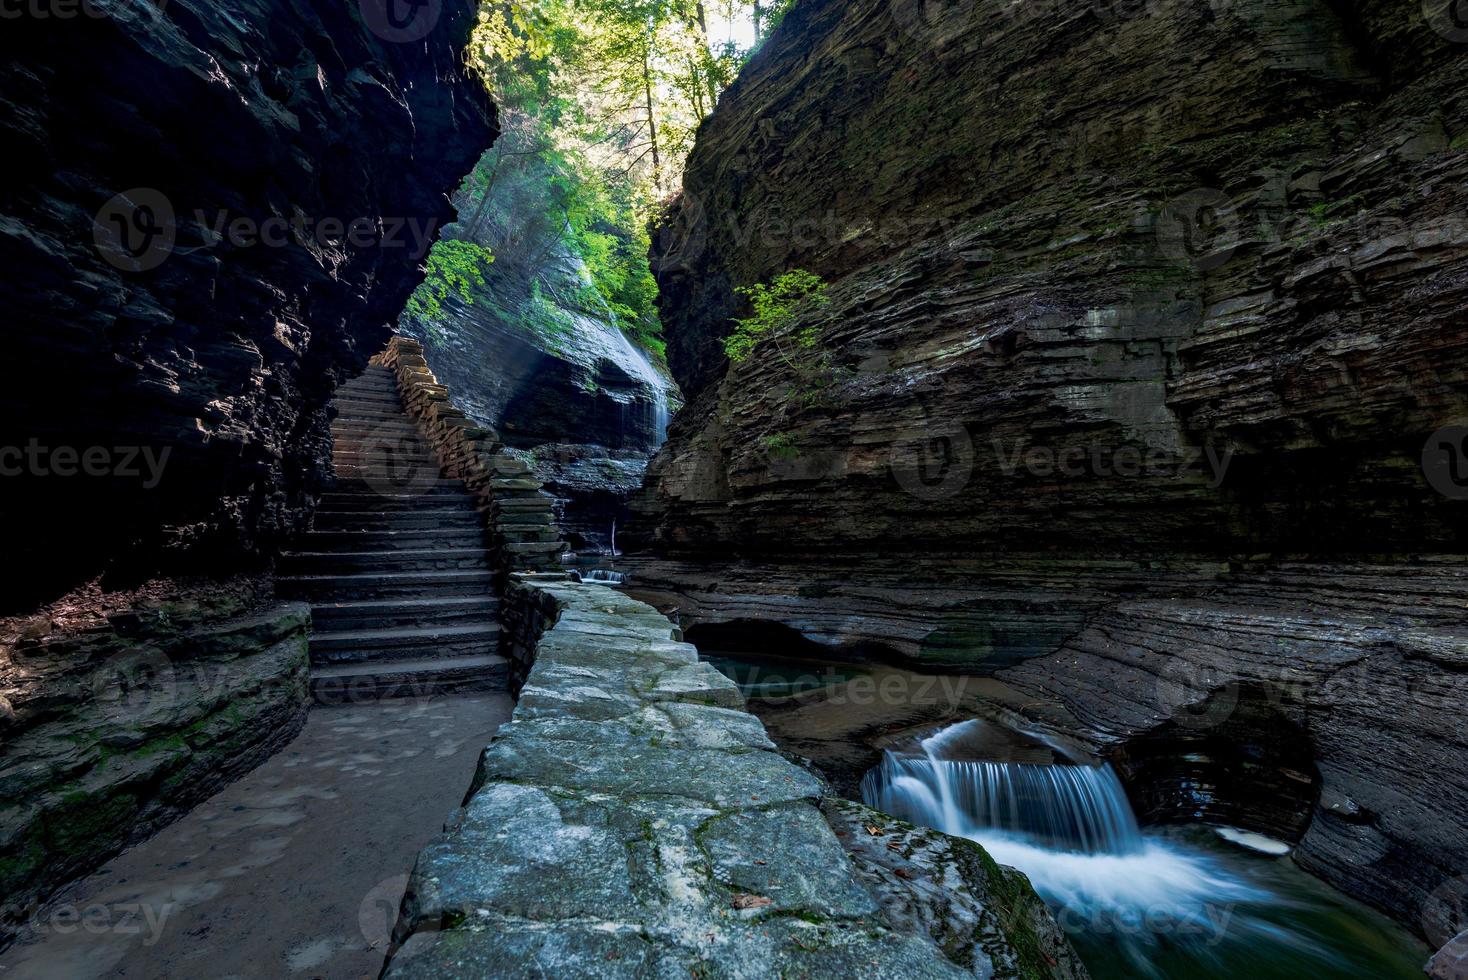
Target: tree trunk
[(652, 123)]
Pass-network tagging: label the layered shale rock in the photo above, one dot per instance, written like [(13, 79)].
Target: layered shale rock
[(111, 733), (1127, 303), (1101, 278), (214, 212)]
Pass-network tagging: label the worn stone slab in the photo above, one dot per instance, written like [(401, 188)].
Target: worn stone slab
[(632, 820)]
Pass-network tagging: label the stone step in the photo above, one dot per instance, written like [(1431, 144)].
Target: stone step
[(353, 683), (386, 585), (370, 417), (370, 392), (368, 411), (398, 487), (393, 540), (386, 613), (368, 453), (396, 502), (390, 434), (424, 518), (352, 562), (404, 643), (363, 427), (385, 460), (385, 385), (405, 480)]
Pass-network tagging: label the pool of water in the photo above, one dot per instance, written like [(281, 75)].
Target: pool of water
[(773, 678), (1178, 903)]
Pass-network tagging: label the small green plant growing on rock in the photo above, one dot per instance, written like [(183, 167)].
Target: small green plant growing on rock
[(779, 307), (781, 445), (454, 268)]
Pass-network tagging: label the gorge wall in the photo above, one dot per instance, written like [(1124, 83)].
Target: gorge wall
[(1072, 253), (215, 212), (1140, 387)]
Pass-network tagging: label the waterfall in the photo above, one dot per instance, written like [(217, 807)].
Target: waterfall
[(1067, 807), (660, 417), (602, 576)]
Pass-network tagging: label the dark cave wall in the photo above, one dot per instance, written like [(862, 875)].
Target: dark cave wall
[(272, 119)]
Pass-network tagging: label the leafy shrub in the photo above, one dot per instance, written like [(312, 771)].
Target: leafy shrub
[(783, 312), (454, 268)]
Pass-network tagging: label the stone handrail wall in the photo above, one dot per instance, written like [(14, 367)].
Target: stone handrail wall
[(521, 520), (633, 820)]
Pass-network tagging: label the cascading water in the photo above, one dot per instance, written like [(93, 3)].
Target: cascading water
[(1081, 808), (1135, 903), (603, 576)]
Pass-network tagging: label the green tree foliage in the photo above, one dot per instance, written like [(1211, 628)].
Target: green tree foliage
[(455, 268), (783, 314), (599, 101)]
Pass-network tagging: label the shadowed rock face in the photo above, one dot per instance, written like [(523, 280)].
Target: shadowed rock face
[(283, 117), (1118, 294), (1071, 256)]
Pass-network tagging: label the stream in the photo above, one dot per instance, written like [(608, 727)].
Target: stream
[(1186, 902)]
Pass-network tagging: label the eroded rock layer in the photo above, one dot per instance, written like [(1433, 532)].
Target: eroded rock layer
[(108, 735), (282, 167), (1175, 275)]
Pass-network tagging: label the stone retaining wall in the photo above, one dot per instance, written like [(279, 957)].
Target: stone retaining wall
[(633, 820), (523, 533), (110, 735)]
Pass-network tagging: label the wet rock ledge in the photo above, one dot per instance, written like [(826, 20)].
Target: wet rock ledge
[(633, 820)]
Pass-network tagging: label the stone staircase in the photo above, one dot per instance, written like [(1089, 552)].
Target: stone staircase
[(395, 567)]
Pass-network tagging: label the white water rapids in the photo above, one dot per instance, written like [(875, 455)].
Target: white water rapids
[(1135, 903)]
